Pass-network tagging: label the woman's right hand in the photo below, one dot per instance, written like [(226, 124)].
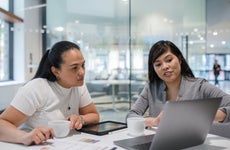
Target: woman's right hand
[(37, 135), (153, 121)]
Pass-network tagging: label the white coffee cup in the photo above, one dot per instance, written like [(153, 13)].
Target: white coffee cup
[(136, 126), (61, 127)]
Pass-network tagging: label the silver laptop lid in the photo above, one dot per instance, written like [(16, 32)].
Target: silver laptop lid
[(185, 123)]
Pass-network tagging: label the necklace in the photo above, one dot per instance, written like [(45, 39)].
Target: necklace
[(69, 104), (172, 97)]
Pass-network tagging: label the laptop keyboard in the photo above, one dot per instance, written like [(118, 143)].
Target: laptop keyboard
[(136, 143), (144, 146)]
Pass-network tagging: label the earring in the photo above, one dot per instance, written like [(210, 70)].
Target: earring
[(58, 78)]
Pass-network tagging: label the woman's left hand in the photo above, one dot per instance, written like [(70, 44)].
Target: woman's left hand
[(220, 116), (75, 121)]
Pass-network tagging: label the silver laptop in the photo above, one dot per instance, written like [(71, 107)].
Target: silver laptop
[(183, 124)]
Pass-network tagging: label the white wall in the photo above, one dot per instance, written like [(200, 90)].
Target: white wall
[(8, 91)]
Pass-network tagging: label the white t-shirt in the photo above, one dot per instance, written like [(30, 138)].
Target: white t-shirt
[(43, 100)]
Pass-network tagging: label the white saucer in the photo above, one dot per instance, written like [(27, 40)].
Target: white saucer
[(135, 135)]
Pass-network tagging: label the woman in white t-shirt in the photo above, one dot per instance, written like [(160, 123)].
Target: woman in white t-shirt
[(57, 91)]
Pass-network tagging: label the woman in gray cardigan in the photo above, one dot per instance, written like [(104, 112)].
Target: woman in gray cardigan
[(171, 79)]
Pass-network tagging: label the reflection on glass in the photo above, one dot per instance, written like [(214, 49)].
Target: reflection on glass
[(113, 39)]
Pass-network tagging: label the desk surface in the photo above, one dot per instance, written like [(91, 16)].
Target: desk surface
[(84, 141)]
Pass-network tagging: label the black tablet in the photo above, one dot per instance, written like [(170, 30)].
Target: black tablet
[(102, 128)]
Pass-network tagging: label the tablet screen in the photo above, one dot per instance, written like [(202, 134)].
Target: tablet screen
[(102, 128)]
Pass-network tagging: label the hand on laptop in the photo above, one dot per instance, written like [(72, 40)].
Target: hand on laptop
[(220, 116), (153, 121)]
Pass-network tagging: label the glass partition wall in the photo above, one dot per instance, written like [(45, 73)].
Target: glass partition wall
[(115, 37)]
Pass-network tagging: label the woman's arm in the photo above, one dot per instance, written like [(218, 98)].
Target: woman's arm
[(223, 113), (141, 104), (88, 114), (10, 119)]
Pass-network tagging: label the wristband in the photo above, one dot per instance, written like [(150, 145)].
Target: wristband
[(82, 120)]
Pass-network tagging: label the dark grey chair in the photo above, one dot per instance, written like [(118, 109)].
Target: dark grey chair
[(136, 89), (1, 111), (96, 90), (221, 129)]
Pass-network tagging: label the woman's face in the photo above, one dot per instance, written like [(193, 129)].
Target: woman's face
[(72, 70), (167, 67)]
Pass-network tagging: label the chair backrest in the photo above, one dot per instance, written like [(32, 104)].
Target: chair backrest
[(1, 111)]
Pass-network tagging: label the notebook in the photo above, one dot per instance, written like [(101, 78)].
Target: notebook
[(183, 124)]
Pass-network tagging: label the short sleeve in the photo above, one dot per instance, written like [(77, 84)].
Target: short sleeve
[(28, 98)]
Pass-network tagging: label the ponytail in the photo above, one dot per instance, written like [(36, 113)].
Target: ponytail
[(44, 68)]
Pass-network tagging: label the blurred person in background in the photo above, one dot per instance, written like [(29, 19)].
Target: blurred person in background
[(216, 71)]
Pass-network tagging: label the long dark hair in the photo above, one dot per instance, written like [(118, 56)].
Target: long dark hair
[(53, 57), (160, 48)]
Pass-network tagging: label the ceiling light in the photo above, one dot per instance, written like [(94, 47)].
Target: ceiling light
[(214, 33), (223, 42), (195, 29), (60, 29)]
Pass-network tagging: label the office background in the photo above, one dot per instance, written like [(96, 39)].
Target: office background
[(115, 37)]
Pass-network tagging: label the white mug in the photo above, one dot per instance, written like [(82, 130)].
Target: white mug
[(61, 127), (136, 126)]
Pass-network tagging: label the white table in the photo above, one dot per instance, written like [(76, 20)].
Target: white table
[(75, 140)]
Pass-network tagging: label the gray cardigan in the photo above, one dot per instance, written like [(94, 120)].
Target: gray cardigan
[(154, 98)]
